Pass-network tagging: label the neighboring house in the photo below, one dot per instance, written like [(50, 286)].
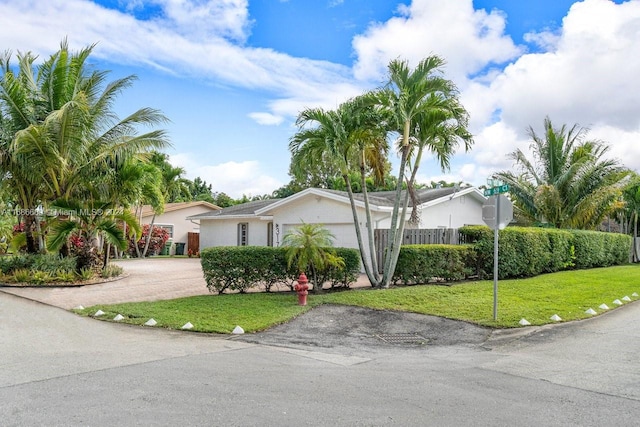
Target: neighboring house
[(265, 222), (174, 220)]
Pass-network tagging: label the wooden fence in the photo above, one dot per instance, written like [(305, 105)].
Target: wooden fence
[(426, 236)]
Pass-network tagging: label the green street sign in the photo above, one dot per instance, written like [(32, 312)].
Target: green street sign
[(496, 190)]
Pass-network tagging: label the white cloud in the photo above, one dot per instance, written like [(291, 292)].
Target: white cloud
[(468, 39), (266, 119), (171, 43), (233, 178)]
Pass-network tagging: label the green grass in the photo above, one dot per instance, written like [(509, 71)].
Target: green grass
[(536, 299)]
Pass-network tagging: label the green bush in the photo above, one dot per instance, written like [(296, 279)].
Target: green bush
[(239, 268), (52, 263), (428, 263), (111, 270), (530, 251), (49, 263), (598, 249)]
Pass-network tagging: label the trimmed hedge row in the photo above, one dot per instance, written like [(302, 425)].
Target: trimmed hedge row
[(428, 263), (239, 268), (526, 252)]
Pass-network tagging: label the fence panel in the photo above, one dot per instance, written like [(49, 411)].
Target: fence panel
[(416, 236)]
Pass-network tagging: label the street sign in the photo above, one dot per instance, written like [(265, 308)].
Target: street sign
[(496, 190), (497, 212)]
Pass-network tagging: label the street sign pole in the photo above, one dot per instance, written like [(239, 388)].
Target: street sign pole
[(495, 263)]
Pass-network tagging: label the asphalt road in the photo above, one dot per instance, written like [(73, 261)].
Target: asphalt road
[(59, 369)]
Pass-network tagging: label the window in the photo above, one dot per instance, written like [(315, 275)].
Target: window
[(270, 234), (167, 227), (243, 234)]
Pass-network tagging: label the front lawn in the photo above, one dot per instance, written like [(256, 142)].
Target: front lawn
[(568, 294)]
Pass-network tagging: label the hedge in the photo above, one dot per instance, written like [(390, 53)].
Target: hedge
[(428, 263), (239, 268), (526, 252)]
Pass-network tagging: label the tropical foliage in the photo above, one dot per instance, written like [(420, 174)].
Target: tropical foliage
[(308, 247), (569, 182), (61, 144), (420, 108)]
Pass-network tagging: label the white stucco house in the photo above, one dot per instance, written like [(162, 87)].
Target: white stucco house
[(265, 222), (174, 220)]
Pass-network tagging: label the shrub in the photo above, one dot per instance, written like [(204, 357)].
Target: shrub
[(598, 249), (159, 237), (239, 268), (111, 270), (86, 274), (530, 251), (21, 275), (427, 263), (52, 263)]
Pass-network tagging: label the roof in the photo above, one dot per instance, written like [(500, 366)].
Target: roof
[(147, 210), (379, 200), (242, 210), (387, 198)]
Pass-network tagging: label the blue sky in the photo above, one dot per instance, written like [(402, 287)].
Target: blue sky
[(231, 75)]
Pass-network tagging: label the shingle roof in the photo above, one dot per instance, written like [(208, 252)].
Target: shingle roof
[(147, 210), (377, 198), (244, 209), (387, 198)]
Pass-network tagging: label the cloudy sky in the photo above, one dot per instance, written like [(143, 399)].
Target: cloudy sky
[(232, 75)]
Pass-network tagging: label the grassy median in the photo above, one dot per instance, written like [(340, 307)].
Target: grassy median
[(568, 294)]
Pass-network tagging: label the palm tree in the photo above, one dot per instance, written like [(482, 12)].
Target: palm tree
[(569, 183), (347, 138), (89, 222), (412, 97), (438, 130), (64, 133), (307, 245)]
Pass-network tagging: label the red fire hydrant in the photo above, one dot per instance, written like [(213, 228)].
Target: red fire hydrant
[(302, 288)]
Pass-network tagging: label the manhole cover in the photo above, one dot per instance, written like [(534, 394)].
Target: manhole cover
[(402, 338)]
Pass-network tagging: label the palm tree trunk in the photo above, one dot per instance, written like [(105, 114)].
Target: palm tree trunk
[(370, 235), (395, 232), (29, 221), (148, 240), (368, 267)]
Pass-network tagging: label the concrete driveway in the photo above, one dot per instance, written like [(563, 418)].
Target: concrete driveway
[(147, 280)]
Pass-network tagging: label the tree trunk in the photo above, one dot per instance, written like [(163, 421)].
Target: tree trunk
[(368, 269), (396, 226), (148, 240), (29, 221)]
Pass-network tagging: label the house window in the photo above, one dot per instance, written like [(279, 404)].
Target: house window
[(243, 234), (168, 228), (270, 234)]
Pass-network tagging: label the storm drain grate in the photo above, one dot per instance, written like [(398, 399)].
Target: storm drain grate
[(402, 338)]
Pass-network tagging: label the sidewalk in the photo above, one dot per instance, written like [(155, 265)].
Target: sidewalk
[(148, 279)]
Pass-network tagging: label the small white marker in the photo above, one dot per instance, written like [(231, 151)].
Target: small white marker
[(555, 318), (591, 311), (603, 307), (237, 330), (187, 325), (98, 313), (524, 322), (118, 317), (626, 298), (617, 302), (635, 294), (78, 308), (151, 322)]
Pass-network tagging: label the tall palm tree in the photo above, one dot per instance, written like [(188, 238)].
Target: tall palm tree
[(411, 95), (344, 139), (569, 182)]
